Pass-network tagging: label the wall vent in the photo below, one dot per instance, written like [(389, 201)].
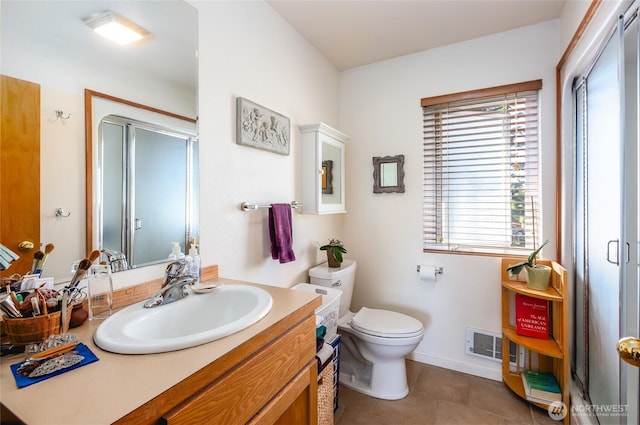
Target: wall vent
[(488, 345)]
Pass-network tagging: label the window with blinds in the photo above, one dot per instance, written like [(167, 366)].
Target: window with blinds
[(481, 168)]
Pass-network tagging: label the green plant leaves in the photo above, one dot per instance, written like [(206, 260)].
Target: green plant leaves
[(531, 261), (336, 250)]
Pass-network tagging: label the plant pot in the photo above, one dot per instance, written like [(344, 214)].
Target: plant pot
[(538, 277), (331, 260)]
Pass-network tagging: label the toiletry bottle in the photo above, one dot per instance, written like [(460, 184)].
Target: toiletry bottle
[(176, 252), (189, 259), (195, 262)]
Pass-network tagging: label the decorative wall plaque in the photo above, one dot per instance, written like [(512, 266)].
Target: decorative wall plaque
[(261, 128)]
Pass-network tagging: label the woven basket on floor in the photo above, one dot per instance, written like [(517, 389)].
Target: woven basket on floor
[(325, 396), (22, 331)]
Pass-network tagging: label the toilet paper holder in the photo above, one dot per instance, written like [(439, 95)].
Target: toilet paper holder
[(439, 270)]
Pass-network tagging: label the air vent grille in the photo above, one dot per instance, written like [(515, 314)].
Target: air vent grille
[(488, 345)]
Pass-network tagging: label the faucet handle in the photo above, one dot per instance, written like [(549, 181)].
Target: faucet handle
[(176, 268)]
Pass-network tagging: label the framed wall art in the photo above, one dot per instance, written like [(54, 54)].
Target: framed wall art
[(262, 128)]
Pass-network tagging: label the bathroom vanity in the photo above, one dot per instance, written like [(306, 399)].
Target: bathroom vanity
[(264, 374)]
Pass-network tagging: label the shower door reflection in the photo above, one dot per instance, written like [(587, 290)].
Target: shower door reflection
[(148, 182)]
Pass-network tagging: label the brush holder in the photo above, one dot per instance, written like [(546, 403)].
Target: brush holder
[(29, 330)]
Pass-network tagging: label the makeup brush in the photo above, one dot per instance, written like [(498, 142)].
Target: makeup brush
[(37, 256), (47, 250), (83, 266), (93, 256), (13, 296)]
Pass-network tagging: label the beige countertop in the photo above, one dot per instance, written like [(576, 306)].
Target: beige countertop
[(104, 391)]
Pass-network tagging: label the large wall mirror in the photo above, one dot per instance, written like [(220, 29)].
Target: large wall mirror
[(142, 167), (48, 43)]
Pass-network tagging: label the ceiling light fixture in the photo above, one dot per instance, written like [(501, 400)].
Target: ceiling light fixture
[(116, 28)]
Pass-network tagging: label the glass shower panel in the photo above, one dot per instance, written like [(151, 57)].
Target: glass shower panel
[(111, 163), (632, 133), (607, 223), (603, 225), (580, 359), (630, 294), (160, 206)]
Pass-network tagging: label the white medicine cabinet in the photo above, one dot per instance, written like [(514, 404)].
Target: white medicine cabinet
[(323, 188)]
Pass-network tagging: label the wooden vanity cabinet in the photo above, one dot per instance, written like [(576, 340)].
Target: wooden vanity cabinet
[(267, 380), (271, 379)]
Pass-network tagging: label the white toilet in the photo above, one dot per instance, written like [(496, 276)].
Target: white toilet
[(374, 342)]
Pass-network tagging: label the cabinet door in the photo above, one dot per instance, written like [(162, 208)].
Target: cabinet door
[(332, 176), (323, 169), (20, 165), (245, 390)]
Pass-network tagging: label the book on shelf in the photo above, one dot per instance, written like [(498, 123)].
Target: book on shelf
[(532, 317), (541, 387)]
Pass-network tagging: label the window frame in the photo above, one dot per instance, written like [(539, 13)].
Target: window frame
[(430, 226)]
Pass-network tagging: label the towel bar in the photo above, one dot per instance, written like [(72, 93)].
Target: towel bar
[(245, 206)]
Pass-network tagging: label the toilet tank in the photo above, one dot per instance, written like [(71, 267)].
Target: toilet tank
[(342, 278)]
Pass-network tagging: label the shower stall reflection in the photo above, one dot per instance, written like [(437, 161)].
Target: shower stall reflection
[(148, 175)]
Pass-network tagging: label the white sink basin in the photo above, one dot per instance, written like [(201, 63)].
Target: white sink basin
[(194, 320)]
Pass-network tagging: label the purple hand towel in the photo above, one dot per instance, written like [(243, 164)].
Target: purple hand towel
[(281, 233)]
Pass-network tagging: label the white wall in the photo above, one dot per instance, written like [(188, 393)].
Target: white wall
[(247, 50), (380, 110)]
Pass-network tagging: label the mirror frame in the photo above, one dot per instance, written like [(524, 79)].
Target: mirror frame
[(377, 174), (89, 95)]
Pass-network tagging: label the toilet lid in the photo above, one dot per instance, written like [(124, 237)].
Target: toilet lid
[(385, 323)]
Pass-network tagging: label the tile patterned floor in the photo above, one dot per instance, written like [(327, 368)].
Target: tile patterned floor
[(441, 397)]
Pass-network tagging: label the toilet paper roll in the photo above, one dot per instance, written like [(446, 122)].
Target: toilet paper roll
[(427, 273)]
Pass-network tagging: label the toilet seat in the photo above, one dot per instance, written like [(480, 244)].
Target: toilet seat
[(386, 324)]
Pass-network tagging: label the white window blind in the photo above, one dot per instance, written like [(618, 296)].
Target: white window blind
[(481, 169)]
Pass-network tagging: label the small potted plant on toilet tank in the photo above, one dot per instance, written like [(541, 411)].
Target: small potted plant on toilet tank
[(334, 249), (537, 274)]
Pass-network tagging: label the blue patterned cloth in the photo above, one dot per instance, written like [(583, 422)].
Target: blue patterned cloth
[(25, 381)]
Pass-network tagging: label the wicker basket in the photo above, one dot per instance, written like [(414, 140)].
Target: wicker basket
[(22, 331), (325, 396)]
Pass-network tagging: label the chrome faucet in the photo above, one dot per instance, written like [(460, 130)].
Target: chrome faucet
[(116, 260), (174, 286)]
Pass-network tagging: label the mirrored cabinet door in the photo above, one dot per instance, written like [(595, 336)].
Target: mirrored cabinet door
[(323, 183)]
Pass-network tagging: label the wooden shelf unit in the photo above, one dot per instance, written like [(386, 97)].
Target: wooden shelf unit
[(552, 353)]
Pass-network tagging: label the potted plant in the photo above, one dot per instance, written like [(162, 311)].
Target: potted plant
[(537, 275), (334, 249)]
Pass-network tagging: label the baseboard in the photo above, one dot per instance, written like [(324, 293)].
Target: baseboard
[(470, 369)]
